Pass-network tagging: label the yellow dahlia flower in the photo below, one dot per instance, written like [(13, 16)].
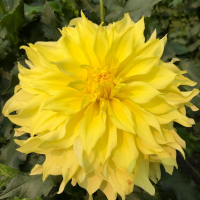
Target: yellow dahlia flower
[(100, 105)]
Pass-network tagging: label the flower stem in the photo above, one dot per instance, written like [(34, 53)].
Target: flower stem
[(101, 11), (2, 8)]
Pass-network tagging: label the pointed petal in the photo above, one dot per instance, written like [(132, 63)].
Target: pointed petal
[(92, 126), (65, 102), (70, 67), (120, 115), (100, 44), (137, 66), (126, 153), (91, 183), (142, 176), (139, 92)]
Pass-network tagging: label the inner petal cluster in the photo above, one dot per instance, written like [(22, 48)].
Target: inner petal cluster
[(101, 83)]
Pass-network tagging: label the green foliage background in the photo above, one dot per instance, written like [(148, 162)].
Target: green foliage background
[(28, 21)]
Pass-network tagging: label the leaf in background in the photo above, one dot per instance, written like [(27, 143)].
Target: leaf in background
[(114, 9), (195, 4), (10, 156), (194, 46), (139, 8), (172, 49), (136, 9), (27, 186), (6, 126), (177, 186), (3, 180), (151, 23), (29, 10), (192, 142), (3, 33), (4, 47), (68, 9), (195, 29), (50, 24), (7, 171), (32, 11), (10, 5), (16, 198), (38, 3), (54, 6), (175, 3), (193, 69), (90, 8), (13, 20), (13, 81)]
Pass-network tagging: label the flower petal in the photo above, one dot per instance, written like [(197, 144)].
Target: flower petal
[(138, 91), (120, 115), (126, 154), (70, 67), (139, 65), (142, 176), (92, 126), (65, 102)]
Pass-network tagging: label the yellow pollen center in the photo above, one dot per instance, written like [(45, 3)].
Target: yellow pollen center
[(101, 83)]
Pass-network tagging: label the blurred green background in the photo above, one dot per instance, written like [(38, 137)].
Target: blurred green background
[(29, 21)]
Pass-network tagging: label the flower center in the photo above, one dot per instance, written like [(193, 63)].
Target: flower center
[(101, 83)]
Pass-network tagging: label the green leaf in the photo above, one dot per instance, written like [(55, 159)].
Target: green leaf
[(29, 10), (50, 24), (3, 181), (13, 81), (4, 48), (195, 4), (54, 6), (10, 156), (13, 20), (195, 29), (192, 142), (178, 187), (193, 69), (27, 186), (68, 9), (172, 49), (194, 46), (136, 9), (175, 3), (38, 3), (10, 5), (7, 171), (6, 126), (17, 198), (139, 8), (3, 33), (114, 9)]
